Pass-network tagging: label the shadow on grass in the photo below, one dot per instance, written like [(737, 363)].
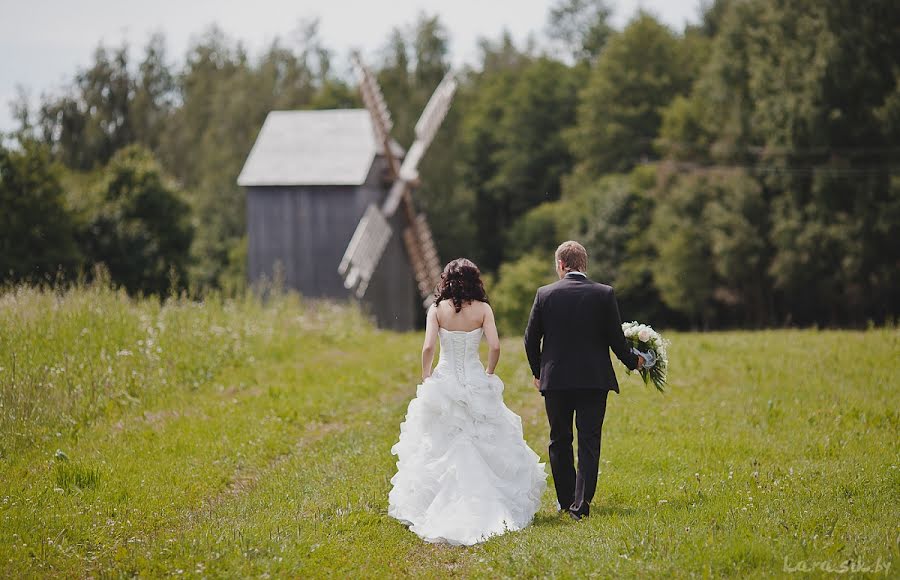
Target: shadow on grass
[(612, 510), (560, 519), (549, 520)]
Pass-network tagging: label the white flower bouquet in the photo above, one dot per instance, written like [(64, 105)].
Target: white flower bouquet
[(648, 343)]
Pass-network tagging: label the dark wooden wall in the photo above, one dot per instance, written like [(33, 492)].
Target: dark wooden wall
[(306, 229)]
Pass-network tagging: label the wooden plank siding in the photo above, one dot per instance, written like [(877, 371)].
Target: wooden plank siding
[(306, 229)]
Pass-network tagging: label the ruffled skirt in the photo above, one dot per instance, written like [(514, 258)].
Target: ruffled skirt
[(464, 471)]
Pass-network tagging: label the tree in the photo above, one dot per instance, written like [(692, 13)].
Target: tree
[(514, 155), (580, 27), (430, 40), (817, 80), (154, 97), (684, 270), (797, 108), (639, 72), (501, 55), (682, 134), (141, 227), (615, 214), (541, 230), (737, 216), (413, 63), (37, 233), (225, 99), (86, 126), (711, 230), (513, 294)]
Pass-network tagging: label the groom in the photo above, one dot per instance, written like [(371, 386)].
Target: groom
[(579, 322)]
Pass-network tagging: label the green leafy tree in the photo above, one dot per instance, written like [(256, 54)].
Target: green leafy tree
[(225, 100), (513, 294), (514, 154), (154, 96), (798, 97), (580, 27), (684, 271), (737, 216), (682, 133), (37, 233), (91, 121), (479, 164), (799, 92), (501, 55), (821, 75), (639, 72), (141, 228), (711, 232), (616, 213), (541, 230)]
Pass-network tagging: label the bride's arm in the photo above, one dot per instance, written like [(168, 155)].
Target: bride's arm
[(428, 347), (493, 339)]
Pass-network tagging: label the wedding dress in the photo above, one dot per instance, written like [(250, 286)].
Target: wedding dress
[(464, 471)]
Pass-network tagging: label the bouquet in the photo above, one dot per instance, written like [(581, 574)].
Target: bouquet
[(648, 343)]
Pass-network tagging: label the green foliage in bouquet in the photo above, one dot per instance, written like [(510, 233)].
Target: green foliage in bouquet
[(643, 338)]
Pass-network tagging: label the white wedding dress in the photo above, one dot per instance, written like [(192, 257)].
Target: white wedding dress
[(464, 471)]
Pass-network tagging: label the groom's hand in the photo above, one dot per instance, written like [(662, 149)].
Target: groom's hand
[(641, 362), (537, 383)]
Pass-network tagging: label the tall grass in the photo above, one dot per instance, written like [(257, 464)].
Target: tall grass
[(251, 438), (68, 358)]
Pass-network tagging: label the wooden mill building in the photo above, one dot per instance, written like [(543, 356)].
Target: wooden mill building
[(309, 178)]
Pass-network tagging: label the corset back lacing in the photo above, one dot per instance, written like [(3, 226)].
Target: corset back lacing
[(456, 349)]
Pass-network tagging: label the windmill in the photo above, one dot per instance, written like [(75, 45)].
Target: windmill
[(374, 231)]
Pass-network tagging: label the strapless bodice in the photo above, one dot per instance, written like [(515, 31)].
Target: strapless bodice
[(459, 353)]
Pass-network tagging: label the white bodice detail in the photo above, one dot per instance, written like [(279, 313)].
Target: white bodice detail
[(459, 354)]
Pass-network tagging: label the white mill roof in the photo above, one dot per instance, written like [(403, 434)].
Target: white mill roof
[(334, 147)]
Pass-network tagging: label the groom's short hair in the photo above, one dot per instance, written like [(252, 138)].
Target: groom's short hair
[(573, 255)]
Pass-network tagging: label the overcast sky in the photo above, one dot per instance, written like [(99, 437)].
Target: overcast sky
[(44, 42)]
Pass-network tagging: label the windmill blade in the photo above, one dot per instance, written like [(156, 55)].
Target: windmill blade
[(427, 126), (416, 259), (373, 232), (417, 236), (398, 191), (365, 250), (374, 101), (373, 97), (423, 256)]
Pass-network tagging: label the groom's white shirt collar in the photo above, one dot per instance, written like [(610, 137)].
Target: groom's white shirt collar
[(577, 273)]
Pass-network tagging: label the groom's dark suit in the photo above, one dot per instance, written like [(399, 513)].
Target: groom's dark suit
[(573, 324)]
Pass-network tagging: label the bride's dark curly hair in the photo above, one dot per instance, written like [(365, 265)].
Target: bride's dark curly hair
[(461, 283)]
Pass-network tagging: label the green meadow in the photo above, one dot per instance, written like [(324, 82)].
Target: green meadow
[(242, 438)]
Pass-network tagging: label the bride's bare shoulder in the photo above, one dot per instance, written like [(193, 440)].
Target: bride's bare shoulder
[(435, 311)]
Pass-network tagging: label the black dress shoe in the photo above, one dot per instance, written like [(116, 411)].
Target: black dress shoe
[(582, 512), (575, 516)]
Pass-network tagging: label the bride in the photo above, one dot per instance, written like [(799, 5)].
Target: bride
[(464, 471)]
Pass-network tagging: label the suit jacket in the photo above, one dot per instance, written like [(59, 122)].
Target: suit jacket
[(578, 322)]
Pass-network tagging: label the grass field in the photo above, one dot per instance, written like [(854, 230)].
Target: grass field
[(232, 438)]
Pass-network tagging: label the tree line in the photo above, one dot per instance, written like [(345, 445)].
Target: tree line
[(742, 172)]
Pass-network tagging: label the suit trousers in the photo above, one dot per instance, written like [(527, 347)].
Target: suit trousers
[(575, 490)]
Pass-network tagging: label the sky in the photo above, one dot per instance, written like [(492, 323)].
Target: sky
[(44, 42)]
